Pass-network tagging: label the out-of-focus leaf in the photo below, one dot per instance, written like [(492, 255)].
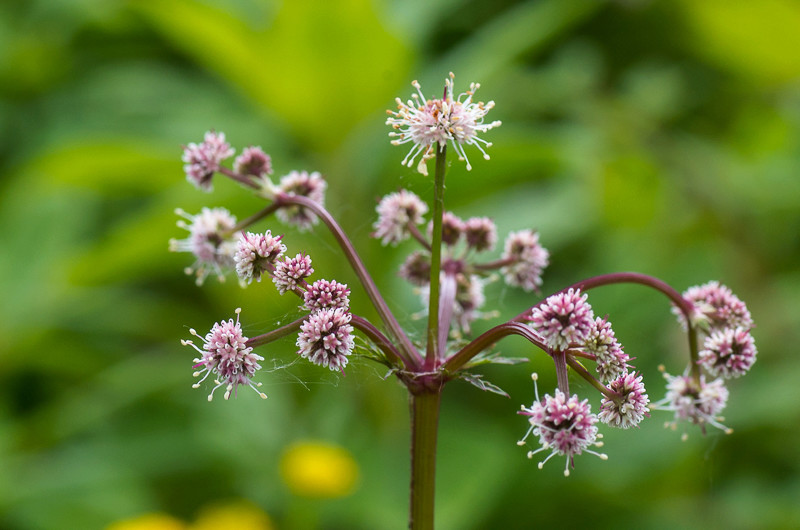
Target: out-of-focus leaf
[(283, 67), (524, 28), (758, 40)]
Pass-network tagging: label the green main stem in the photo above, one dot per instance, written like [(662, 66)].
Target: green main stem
[(424, 426), (432, 348)]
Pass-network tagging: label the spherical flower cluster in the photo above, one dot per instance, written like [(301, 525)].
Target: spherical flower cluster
[(562, 319), (326, 338), (416, 269), (210, 240), (630, 407), (728, 353), (253, 161), (434, 122), (290, 273), (469, 300), (452, 228), (525, 258), (717, 307), (226, 354), (203, 160), (697, 402), (480, 233), (611, 359), (327, 294), (396, 213), (303, 184), (256, 254), (564, 426)]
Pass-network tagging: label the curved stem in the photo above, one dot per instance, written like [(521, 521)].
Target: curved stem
[(562, 377), (416, 234), (244, 223), (492, 265), (592, 380), (488, 338), (406, 350), (241, 179), (432, 348), (275, 334)]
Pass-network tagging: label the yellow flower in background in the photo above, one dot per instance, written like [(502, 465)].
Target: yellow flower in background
[(150, 521), (319, 470), (239, 515)]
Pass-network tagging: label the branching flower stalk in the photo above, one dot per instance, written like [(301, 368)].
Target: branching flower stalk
[(448, 269)]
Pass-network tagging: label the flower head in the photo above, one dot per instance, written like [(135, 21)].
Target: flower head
[(452, 228), (611, 359), (717, 307), (416, 268), (526, 260), (480, 233), (631, 406), (435, 122), (226, 354), (563, 318), (210, 240), (303, 184), (326, 338), (323, 294), (397, 212), (256, 254), (728, 353), (564, 426), (698, 402), (203, 160), (290, 272), (253, 161)]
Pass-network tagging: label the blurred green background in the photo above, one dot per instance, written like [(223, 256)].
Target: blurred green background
[(655, 136)]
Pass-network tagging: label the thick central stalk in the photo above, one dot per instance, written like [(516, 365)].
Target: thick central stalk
[(432, 348), (424, 426)]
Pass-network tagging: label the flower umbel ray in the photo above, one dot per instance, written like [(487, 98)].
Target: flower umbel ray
[(428, 122)]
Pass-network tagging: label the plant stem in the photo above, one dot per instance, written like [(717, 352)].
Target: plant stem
[(241, 179), (406, 349), (424, 426), (275, 334), (244, 223), (562, 377), (432, 348), (488, 338), (583, 372)]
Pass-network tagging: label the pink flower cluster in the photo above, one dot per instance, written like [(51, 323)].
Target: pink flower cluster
[(630, 406), (203, 160), (696, 401), (522, 262), (563, 320), (326, 338), (210, 240), (226, 354), (429, 124), (256, 254), (729, 351), (301, 184), (565, 426)]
